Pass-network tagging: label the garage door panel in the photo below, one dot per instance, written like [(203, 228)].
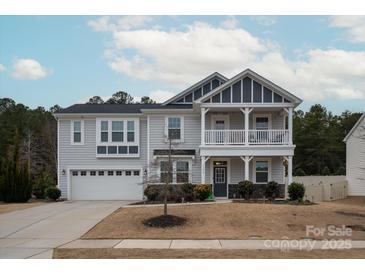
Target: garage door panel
[(113, 185)]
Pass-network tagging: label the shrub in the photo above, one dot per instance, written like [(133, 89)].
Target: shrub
[(152, 192), (299, 172), (325, 171), (296, 191), (272, 190), (16, 185), (53, 193), (187, 191), (43, 182), (245, 188), (202, 191), (341, 171)]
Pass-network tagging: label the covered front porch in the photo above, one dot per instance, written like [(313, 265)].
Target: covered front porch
[(225, 172)]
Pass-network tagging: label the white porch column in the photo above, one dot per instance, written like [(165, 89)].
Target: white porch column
[(290, 169), (247, 160), (202, 126), (202, 166), (246, 112), (290, 125)]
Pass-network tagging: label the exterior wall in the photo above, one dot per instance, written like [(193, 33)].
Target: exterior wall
[(237, 120), (85, 155), (355, 161), (192, 140)]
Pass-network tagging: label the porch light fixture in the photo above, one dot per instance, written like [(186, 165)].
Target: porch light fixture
[(63, 172)]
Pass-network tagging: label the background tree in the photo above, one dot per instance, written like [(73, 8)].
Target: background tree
[(120, 97), (95, 100), (147, 100)]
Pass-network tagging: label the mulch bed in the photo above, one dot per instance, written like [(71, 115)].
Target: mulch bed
[(275, 202), (170, 202), (164, 221)]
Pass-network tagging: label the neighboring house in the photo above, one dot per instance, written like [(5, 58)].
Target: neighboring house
[(355, 158), (225, 131)]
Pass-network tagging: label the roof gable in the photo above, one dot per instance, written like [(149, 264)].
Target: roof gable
[(198, 90), (249, 87), (354, 127)]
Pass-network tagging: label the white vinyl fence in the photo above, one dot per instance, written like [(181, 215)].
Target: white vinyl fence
[(323, 188)]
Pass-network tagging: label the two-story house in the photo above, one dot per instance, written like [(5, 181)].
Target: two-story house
[(224, 131)]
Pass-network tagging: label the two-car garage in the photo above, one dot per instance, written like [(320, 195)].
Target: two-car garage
[(103, 184)]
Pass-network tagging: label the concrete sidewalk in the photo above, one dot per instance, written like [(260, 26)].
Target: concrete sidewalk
[(217, 244)]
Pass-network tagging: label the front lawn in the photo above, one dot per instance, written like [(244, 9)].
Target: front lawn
[(234, 221), (113, 253)]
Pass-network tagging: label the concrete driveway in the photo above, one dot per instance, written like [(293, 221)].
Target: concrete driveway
[(34, 232)]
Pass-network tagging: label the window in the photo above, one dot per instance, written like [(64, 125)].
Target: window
[(262, 123), (118, 173), (136, 173), (182, 172), (262, 171), (117, 138), (101, 173), (174, 128), (130, 131), (104, 131), (128, 173), (165, 175), (92, 173), (101, 149), (83, 173), (110, 172), (117, 131), (77, 135), (75, 173)]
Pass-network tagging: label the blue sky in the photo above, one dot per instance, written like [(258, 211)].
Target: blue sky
[(47, 60)]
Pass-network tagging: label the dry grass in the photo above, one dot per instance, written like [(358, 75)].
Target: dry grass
[(9, 207), (232, 221), (113, 253)]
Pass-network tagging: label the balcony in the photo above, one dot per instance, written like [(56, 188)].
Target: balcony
[(255, 137)]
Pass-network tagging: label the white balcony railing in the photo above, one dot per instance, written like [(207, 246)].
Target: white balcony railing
[(255, 137)]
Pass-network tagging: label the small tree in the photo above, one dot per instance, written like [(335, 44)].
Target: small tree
[(296, 191), (272, 190)]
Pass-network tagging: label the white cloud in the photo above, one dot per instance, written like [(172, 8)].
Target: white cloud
[(161, 96), (265, 20), (28, 69), (230, 23), (2, 68), (354, 26), (115, 23), (180, 58)]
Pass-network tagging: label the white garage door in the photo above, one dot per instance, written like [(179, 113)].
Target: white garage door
[(106, 185)]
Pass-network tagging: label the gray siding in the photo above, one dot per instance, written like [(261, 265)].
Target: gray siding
[(85, 155), (191, 140)]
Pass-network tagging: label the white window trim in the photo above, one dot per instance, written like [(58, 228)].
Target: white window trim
[(124, 143), (259, 159), (181, 140), (82, 133), (269, 116), (174, 171)]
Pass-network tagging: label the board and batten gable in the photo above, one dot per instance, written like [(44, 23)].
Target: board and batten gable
[(355, 159), (84, 156)]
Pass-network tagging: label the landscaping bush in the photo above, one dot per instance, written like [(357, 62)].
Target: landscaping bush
[(152, 192), (202, 191), (341, 171), (272, 190), (53, 193), (245, 188), (299, 172), (296, 191), (325, 171), (187, 191), (16, 185), (43, 182)]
